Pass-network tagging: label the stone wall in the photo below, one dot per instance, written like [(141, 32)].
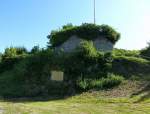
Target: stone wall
[(70, 44), (100, 43)]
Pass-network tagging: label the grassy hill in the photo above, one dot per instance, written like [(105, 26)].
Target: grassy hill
[(131, 97), (94, 82), (29, 75)]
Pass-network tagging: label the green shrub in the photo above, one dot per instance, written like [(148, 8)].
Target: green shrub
[(109, 82), (85, 31), (83, 83), (87, 50), (104, 83)]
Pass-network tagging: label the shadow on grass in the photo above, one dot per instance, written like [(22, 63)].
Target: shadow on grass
[(34, 99)]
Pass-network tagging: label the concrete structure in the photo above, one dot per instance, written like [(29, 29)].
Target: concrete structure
[(100, 43)]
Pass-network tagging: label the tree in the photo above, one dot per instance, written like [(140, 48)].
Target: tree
[(35, 49), (21, 50), (10, 52), (0, 57), (14, 51)]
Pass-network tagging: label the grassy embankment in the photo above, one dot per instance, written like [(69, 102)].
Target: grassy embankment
[(131, 97)]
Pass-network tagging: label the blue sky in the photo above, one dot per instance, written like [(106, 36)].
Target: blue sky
[(28, 22)]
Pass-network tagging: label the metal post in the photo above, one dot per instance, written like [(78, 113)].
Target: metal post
[(94, 13)]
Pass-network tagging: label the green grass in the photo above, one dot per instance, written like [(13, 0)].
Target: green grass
[(77, 106)]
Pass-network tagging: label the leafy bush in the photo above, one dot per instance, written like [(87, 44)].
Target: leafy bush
[(109, 82), (104, 83), (87, 50), (83, 83), (85, 31)]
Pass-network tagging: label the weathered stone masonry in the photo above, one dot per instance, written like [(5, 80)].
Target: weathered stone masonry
[(100, 43)]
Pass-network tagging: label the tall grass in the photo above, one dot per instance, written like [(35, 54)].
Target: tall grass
[(104, 83)]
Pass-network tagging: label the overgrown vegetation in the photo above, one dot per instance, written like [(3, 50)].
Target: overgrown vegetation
[(28, 73), (85, 31), (128, 53)]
